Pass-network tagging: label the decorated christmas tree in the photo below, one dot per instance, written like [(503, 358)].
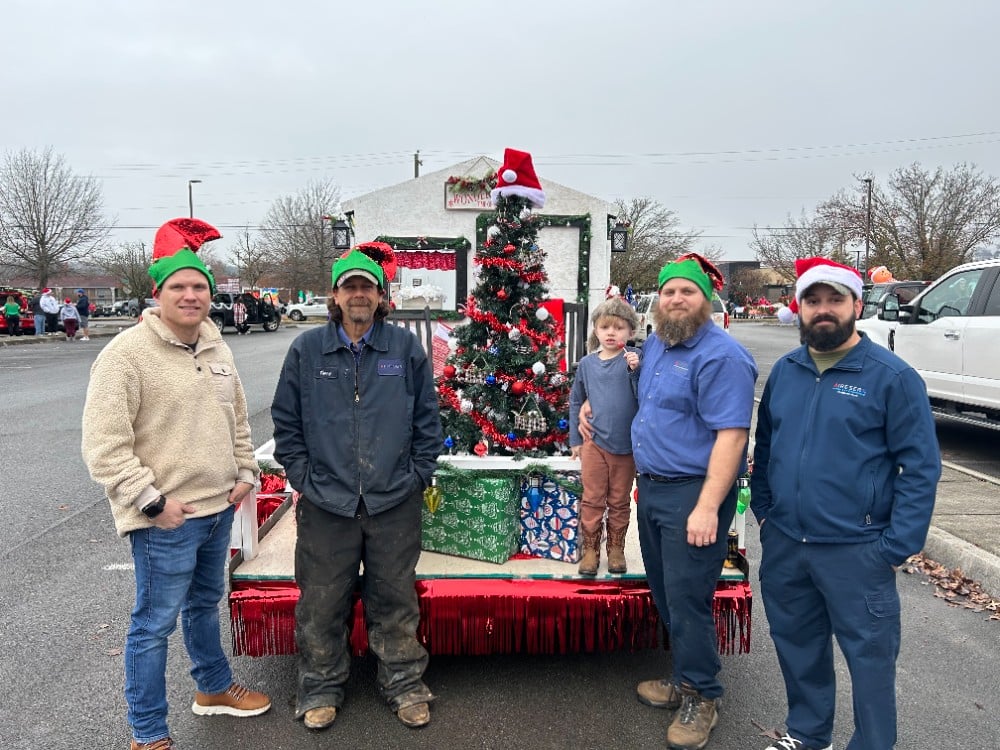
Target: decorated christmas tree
[(504, 389)]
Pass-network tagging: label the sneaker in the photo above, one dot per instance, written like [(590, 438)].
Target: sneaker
[(85, 338), (693, 722), (659, 694), (416, 715), (165, 744), (320, 718), (236, 701), (790, 743)]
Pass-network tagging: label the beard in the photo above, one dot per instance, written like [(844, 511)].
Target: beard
[(826, 339), (677, 329)]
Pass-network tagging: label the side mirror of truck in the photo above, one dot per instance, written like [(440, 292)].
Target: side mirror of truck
[(888, 308)]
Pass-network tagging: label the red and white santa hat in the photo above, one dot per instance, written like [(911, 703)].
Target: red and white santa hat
[(811, 271), (516, 176)]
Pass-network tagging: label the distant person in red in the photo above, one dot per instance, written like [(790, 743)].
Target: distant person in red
[(70, 318), (240, 316)]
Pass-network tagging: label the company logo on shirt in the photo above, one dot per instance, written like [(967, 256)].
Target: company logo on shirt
[(680, 366), (845, 389)]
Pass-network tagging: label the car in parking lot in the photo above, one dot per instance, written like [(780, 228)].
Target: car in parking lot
[(259, 312), (314, 308)]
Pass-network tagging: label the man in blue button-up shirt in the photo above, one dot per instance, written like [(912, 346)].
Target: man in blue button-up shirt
[(689, 439)]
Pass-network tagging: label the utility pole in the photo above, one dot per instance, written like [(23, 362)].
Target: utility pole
[(417, 163), (868, 225)]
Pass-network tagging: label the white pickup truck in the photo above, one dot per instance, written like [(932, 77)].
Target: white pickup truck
[(950, 334)]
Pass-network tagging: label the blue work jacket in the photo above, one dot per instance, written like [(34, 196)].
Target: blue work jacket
[(848, 456), (347, 428)]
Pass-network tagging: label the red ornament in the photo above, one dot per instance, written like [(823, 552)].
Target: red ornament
[(449, 371), (480, 449), (518, 387), (509, 249), (501, 294)]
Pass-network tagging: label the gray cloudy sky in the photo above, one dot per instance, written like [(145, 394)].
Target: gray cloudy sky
[(730, 113)]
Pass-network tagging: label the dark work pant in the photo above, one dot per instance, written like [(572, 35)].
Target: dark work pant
[(813, 592), (328, 553), (683, 578)]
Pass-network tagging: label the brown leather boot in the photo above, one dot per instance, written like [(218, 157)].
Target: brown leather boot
[(694, 721), (590, 559), (616, 551)]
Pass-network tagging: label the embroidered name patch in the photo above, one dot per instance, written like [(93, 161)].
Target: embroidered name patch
[(854, 391), (391, 367), (325, 372)]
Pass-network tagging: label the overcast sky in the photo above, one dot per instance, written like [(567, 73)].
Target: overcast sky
[(730, 113)]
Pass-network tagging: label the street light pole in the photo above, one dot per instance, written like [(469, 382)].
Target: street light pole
[(868, 225), (191, 198)]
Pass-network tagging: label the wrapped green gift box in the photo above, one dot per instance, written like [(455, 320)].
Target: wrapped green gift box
[(476, 518)]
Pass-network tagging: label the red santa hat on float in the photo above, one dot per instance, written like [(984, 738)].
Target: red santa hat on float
[(516, 176), (812, 271)]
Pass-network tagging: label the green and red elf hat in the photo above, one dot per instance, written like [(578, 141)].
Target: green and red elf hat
[(174, 248), (380, 252)]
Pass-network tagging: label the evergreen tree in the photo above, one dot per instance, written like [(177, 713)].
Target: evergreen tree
[(504, 389)]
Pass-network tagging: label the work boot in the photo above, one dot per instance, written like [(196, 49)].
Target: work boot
[(693, 722), (616, 551), (415, 716), (659, 694), (320, 718), (590, 560)]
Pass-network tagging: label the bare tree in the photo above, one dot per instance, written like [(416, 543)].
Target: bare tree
[(655, 238), (779, 247), (251, 258), (923, 222), (129, 263), (49, 216), (299, 239)]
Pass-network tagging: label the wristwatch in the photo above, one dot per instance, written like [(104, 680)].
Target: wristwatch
[(155, 508)]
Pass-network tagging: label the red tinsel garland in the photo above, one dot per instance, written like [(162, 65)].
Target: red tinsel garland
[(489, 429), (499, 326)]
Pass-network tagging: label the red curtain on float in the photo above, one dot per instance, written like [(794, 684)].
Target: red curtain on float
[(434, 260)]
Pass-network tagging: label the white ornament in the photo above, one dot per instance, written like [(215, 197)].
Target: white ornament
[(538, 368), (453, 344), (509, 176), (542, 313), (557, 379), (492, 231), (513, 334), (465, 406), (525, 214)]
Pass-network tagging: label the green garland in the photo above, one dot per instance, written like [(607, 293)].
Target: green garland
[(581, 221), (410, 244)]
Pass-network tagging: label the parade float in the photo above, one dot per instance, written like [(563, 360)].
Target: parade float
[(498, 573)]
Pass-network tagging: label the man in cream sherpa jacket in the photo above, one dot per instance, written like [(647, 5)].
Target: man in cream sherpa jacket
[(162, 419)]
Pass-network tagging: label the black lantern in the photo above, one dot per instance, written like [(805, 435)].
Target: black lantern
[(341, 235), (619, 238)]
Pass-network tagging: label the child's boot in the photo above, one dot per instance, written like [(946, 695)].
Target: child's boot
[(590, 559), (616, 551)]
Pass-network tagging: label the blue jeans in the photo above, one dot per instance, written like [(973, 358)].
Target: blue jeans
[(39, 325), (682, 578), (177, 571)]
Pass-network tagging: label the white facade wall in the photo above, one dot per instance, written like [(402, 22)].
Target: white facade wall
[(416, 208)]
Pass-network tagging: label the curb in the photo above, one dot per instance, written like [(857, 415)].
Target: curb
[(976, 563)]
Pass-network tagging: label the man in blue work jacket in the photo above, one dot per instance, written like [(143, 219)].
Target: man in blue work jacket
[(846, 466), (357, 429)]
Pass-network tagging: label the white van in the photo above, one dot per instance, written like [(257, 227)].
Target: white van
[(950, 334)]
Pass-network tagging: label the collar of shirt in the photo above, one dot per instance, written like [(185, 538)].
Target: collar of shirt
[(356, 349)]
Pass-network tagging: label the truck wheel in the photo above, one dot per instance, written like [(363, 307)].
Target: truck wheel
[(220, 322), (270, 325), (297, 316)]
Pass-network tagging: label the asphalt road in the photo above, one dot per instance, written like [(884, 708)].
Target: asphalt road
[(67, 590)]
